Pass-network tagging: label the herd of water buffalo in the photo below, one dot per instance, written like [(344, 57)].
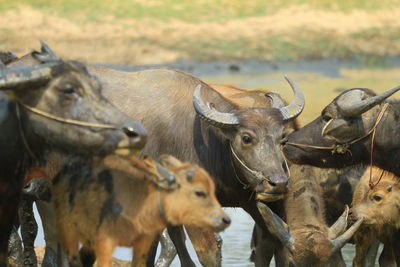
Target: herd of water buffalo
[(112, 158)]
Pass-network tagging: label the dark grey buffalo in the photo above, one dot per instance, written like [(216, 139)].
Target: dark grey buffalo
[(342, 135), (54, 106)]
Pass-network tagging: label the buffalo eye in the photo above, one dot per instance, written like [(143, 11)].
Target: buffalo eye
[(377, 198), (201, 194), (246, 139), (69, 89), (326, 118)]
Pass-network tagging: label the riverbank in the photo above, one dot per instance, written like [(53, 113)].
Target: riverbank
[(276, 33)]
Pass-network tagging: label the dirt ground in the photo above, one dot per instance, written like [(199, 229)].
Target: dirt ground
[(151, 41)]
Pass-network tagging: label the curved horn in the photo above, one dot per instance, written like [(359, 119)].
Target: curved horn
[(276, 100), (340, 225), (276, 226), (355, 108), (209, 114), (339, 242), (294, 109), (46, 54), (16, 78)]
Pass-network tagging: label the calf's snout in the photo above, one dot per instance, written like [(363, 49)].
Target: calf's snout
[(222, 222)]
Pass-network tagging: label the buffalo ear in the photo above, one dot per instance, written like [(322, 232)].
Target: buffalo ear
[(169, 161)]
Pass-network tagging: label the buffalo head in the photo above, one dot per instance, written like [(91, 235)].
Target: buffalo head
[(58, 103), (344, 126), (254, 136)]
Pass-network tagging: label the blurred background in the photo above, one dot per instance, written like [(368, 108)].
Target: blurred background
[(326, 46)]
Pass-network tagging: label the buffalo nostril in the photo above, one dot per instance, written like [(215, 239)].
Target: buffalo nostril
[(279, 181), (226, 220)]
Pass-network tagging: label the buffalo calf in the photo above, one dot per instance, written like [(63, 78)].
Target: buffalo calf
[(119, 202), (380, 208)]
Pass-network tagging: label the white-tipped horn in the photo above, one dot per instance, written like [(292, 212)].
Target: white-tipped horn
[(294, 109)]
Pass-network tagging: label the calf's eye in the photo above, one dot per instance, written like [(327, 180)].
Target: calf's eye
[(200, 194), (377, 198)]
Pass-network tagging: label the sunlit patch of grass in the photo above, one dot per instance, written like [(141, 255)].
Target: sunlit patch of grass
[(188, 10)]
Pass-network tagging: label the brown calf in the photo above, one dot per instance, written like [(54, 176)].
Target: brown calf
[(115, 202), (310, 241), (380, 208)]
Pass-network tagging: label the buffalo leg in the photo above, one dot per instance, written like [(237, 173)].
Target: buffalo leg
[(15, 248), (363, 242), (47, 215), (151, 256), (29, 230), (267, 243), (207, 244), (396, 246), (178, 238), (261, 249), (370, 259), (141, 248), (10, 191), (168, 251), (336, 260), (87, 256), (387, 257)]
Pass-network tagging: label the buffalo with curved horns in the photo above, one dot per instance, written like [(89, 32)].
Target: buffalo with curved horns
[(342, 135), (53, 106)]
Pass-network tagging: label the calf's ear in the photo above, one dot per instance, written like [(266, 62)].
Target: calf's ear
[(169, 161)]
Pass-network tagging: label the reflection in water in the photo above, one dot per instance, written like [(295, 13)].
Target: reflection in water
[(236, 243)]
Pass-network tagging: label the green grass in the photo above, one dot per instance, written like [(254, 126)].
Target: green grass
[(186, 10), (370, 46)]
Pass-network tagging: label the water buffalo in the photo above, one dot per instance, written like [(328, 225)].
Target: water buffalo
[(306, 234), (380, 208), (233, 133), (236, 136), (118, 202), (342, 134), (54, 106)]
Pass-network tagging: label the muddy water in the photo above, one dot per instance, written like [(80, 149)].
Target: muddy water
[(320, 81)]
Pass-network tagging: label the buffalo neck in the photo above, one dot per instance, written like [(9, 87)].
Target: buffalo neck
[(386, 151), (14, 156), (214, 154)]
